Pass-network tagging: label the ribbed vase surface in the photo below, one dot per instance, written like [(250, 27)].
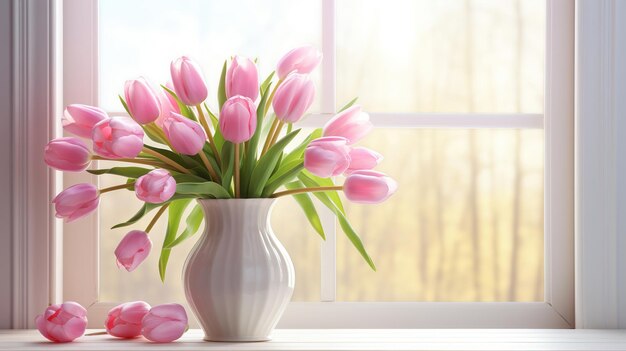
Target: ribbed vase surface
[(238, 278)]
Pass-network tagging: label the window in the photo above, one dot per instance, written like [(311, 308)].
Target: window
[(457, 91)]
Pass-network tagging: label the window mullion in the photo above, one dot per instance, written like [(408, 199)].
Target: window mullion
[(328, 98)]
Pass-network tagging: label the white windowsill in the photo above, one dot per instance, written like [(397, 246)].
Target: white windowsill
[(351, 339)]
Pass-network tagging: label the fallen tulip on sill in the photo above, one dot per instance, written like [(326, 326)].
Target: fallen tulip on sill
[(62, 322), (165, 323), (124, 321)]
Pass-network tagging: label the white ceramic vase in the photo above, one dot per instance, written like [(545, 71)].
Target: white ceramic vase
[(238, 278)]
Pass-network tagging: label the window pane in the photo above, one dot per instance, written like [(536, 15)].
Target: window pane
[(142, 37), (465, 225), (441, 56)]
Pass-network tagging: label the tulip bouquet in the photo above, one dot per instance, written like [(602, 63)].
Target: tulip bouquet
[(244, 151)]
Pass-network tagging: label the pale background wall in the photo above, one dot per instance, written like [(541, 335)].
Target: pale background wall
[(5, 160)]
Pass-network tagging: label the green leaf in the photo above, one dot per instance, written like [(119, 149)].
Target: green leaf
[(175, 212), (285, 173), (187, 178), (193, 221), (203, 190), (129, 172), (312, 180), (252, 146), (298, 152), (346, 227), (124, 104), (348, 105), (145, 208), (266, 83), (214, 120), (184, 109), (183, 160), (266, 164), (221, 90), (228, 160), (306, 203)]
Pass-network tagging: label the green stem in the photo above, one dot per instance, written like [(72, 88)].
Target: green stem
[(156, 217), (116, 187), (208, 166), (307, 190), (207, 130), (167, 160), (269, 100), (237, 181)]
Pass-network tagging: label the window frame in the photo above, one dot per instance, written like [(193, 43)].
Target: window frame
[(81, 269)]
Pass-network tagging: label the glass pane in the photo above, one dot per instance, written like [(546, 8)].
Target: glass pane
[(465, 225), (142, 37), (302, 243), (441, 56)]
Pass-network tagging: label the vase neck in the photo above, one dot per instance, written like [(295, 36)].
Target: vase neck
[(237, 216)]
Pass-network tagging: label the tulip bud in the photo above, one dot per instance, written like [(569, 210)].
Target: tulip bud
[(242, 78), (62, 322), (293, 97), (142, 100), (300, 60), (165, 323), (369, 187), (155, 187), (327, 157), (124, 321), (117, 137), (352, 124), (67, 154), (133, 249), (80, 119), (362, 158), (76, 201), (186, 136), (188, 82), (238, 119)]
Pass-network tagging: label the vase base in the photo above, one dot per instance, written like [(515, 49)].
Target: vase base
[(237, 339)]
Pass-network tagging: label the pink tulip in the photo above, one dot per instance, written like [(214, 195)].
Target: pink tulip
[(369, 187), (164, 323), (142, 100), (352, 124), (67, 154), (293, 97), (186, 136), (188, 82), (62, 322), (80, 119), (117, 137), (326, 157), (155, 187), (300, 60), (76, 201), (168, 105), (242, 78), (238, 119), (124, 321), (362, 158), (133, 249)]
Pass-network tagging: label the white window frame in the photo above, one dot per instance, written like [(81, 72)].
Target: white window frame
[(81, 268)]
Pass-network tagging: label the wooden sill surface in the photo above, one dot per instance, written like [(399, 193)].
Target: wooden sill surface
[(350, 339)]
